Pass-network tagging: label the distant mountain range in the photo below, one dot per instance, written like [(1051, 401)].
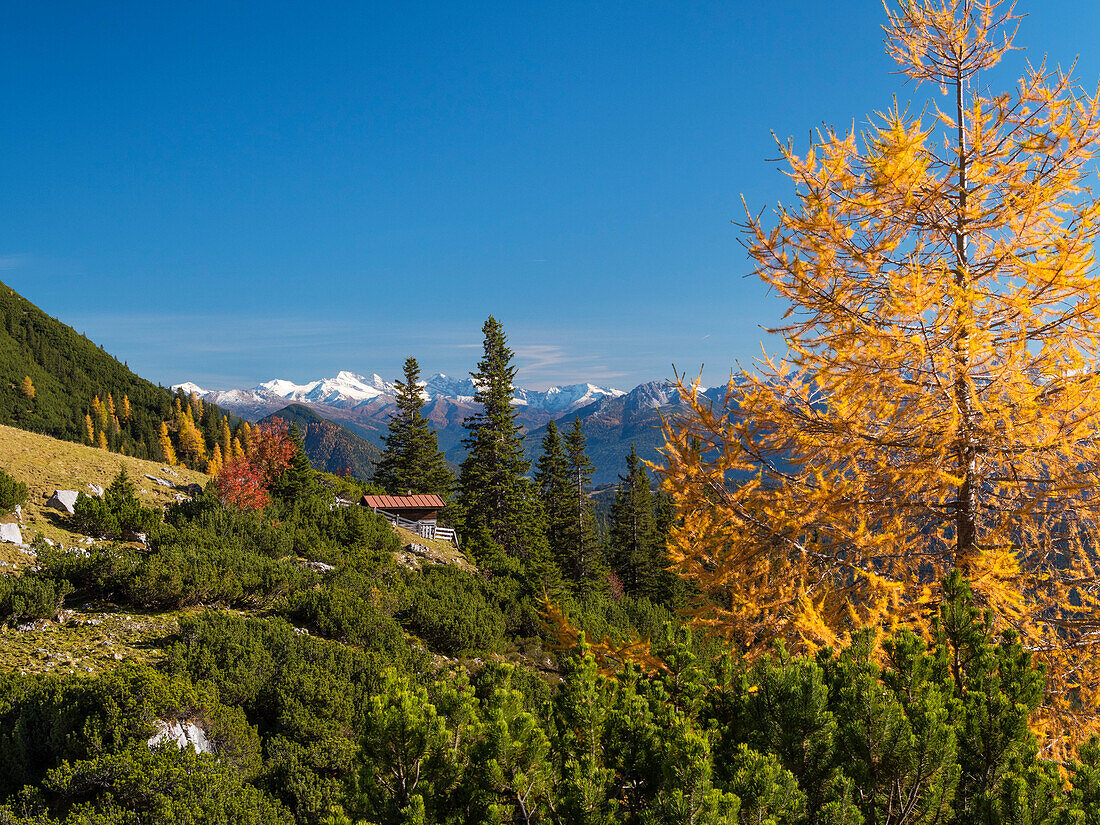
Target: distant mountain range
[(613, 419)]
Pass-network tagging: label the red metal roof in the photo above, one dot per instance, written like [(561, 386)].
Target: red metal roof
[(421, 502)]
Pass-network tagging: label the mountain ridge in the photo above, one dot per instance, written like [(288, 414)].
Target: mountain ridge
[(613, 419)]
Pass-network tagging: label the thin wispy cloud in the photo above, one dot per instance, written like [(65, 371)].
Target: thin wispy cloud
[(13, 261)]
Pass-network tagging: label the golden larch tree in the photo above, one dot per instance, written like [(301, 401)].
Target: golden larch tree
[(125, 413), (225, 438), (191, 442), (27, 388), (168, 452), (938, 403), (216, 462)]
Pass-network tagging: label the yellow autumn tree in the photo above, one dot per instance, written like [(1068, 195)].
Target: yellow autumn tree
[(99, 413), (27, 388), (937, 405), (191, 443), (244, 433), (225, 438), (125, 413), (168, 452)]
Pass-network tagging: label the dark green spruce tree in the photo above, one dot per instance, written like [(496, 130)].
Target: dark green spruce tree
[(501, 511), (636, 537), (552, 478), (586, 557), (411, 461)]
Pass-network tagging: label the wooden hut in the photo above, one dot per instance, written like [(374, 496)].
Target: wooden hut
[(416, 513)]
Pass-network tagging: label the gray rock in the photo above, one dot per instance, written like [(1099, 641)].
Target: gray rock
[(162, 482), (10, 533), (319, 566), (64, 500), (96, 489), (169, 472), (19, 512)]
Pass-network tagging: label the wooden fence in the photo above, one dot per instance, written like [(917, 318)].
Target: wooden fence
[(424, 529)]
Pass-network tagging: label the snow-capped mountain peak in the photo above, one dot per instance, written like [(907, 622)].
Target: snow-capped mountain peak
[(348, 390), (189, 387)]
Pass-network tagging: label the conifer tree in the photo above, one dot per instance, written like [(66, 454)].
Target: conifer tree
[(298, 480), (939, 405), (499, 505), (587, 566), (27, 388), (637, 547), (412, 462), (101, 440), (552, 478), (125, 412)]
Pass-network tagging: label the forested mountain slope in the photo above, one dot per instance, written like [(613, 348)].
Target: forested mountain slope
[(50, 376), (331, 447)]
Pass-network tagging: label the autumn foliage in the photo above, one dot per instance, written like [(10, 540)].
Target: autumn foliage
[(245, 481), (938, 403)]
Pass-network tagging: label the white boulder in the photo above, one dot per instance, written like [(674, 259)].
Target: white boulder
[(181, 734), (10, 533), (96, 489), (63, 500)]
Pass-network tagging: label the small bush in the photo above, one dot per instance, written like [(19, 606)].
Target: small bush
[(118, 515), (345, 616), (12, 492), (449, 610), (30, 597)]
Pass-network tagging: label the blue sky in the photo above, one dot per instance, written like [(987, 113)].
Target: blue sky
[(228, 192)]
